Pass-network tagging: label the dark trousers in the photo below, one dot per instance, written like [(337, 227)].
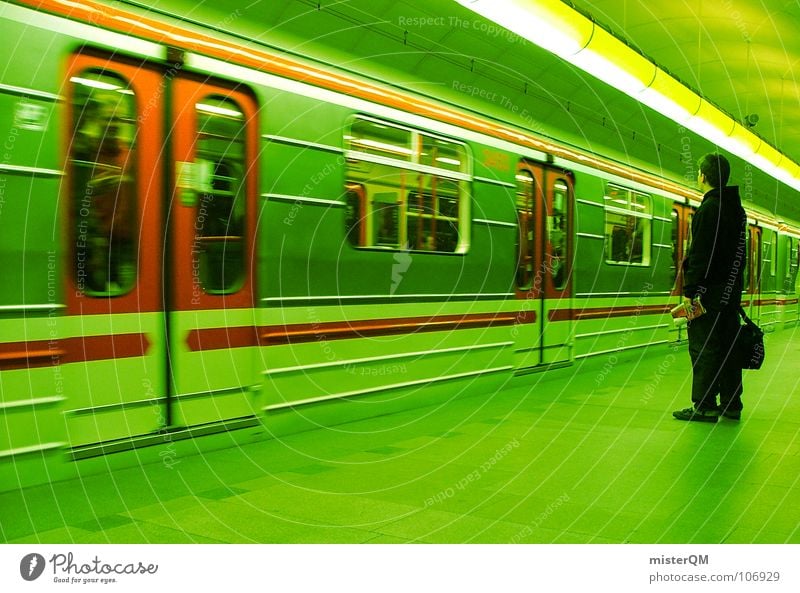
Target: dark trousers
[(714, 368)]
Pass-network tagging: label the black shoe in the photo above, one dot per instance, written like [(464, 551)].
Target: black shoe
[(696, 415), (732, 414)]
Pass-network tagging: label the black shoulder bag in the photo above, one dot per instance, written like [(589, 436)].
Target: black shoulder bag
[(750, 343)]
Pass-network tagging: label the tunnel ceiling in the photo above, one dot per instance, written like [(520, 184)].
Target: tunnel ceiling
[(738, 54)]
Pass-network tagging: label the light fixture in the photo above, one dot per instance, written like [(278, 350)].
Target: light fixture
[(711, 123), (565, 32), (95, 84), (217, 110), (383, 146), (670, 98)]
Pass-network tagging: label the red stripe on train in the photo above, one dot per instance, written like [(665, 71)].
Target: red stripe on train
[(43, 353), (606, 312), (297, 333)]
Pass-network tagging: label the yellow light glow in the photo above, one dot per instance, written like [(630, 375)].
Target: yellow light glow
[(381, 146), (767, 159), (95, 84), (742, 142), (550, 24), (773, 156), (670, 98), (791, 168), (217, 110), (712, 124), (612, 61)]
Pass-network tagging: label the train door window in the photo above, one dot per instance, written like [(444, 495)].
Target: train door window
[(757, 261), (354, 213), (769, 261), (432, 215), (788, 266), (773, 269), (746, 277), (628, 217), (525, 218), (675, 237), (102, 169), (688, 236), (557, 234), (220, 215), (413, 188), (794, 262)]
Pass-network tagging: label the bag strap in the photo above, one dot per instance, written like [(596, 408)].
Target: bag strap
[(744, 316)]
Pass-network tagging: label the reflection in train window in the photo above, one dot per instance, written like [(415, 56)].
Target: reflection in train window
[(674, 234), (557, 234), (220, 216), (793, 255), (766, 246), (102, 170), (746, 275), (774, 258), (525, 219), (628, 216), (412, 189)]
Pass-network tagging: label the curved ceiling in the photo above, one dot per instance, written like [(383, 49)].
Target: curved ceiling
[(738, 54)]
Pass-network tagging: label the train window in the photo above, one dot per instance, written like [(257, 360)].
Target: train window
[(102, 169), (774, 263), (432, 216), (769, 261), (412, 189), (628, 216), (557, 233), (794, 262), (442, 154), (525, 217), (379, 139), (220, 216)]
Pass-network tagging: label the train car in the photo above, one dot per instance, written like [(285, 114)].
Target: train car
[(201, 235)]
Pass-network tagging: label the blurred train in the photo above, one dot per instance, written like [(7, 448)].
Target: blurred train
[(199, 236)]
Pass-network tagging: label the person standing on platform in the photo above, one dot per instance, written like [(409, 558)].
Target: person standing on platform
[(713, 272)]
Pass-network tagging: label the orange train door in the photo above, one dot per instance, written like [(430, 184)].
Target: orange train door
[(113, 331), (159, 329), (211, 252), (556, 232), (544, 280)]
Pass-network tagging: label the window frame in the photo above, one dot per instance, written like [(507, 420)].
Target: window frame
[(85, 236), (418, 139), (647, 231), (203, 245)]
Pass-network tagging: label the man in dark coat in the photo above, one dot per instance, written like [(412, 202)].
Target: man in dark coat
[(713, 272)]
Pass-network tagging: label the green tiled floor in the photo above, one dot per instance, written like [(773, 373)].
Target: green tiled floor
[(590, 454)]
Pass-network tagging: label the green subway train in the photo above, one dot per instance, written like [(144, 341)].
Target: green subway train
[(202, 237)]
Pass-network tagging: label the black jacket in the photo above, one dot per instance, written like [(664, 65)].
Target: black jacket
[(714, 266)]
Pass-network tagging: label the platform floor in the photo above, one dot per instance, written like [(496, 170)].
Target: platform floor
[(588, 457)]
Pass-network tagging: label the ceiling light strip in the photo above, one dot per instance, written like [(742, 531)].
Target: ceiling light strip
[(563, 31)]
